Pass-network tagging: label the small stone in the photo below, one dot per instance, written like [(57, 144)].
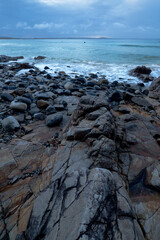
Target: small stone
[(18, 106), (54, 120), (10, 124), (116, 96), (39, 116), (7, 96), (68, 86), (42, 104)]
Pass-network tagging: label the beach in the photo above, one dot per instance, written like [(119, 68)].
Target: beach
[(79, 153)]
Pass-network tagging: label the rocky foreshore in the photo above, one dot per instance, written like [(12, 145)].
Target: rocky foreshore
[(79, 156)]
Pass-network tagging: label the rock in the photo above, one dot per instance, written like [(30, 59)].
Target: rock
[(20, 118), (54, 120), (141, 102), (10, 124), (7, 96), (50, 109), (141, 70), (4, 58), (86, 100), (93, 75), (77, 133), (102, 81), (68, 86), (23, 99), (142, 73), (59, 107), (39, 116), (18, 106), (154, 89), (39, 58), (19, 66), (44, 96), (145, 92), (46, 68), (153, 176), (116, 96), (42, 104)]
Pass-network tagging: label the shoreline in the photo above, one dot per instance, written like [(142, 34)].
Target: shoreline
[(78, 154)]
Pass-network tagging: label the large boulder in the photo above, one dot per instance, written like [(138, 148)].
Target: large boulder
[(141, 70), (143, 73)]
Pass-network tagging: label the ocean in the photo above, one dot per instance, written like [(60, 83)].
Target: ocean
[(111, 57)]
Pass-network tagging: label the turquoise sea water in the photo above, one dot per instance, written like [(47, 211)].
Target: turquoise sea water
[(112, 57)]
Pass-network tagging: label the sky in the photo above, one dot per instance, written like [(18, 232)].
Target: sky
[(80, 18)]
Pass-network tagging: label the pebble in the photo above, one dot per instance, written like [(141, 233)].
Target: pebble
[(18, 106)]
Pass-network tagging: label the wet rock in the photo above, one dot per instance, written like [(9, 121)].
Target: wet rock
[(39, 58), (4, 58), (18, 106), (154, 89), (54, 120), (95, 114), (34, 109), (10, 124), (141, 70)]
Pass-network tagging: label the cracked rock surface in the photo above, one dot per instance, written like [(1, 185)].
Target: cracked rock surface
[(95, 176)]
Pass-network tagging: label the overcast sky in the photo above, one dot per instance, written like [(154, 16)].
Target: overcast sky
[(80, 18)]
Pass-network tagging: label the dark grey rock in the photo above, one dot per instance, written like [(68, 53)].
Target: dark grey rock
[(39, 116), (7, 96), (116, 96), (54, 120), (24, 100), (141, 102), (50, 109)]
